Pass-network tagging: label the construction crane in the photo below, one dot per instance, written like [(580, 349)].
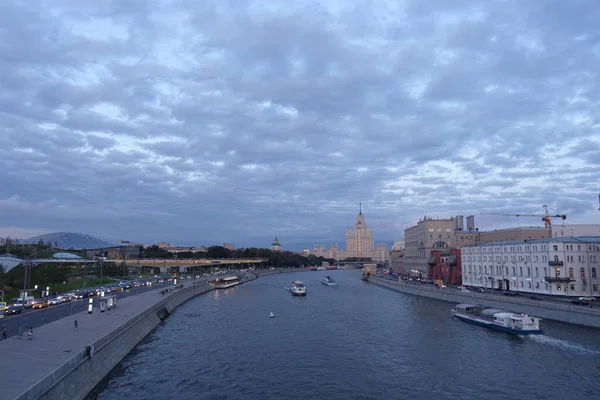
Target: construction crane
[(545, 217)]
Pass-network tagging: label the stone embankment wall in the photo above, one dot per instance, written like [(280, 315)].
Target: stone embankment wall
[(76, 378), (568, 313)]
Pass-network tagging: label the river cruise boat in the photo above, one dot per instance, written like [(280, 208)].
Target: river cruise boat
[(494, 318), (225, 283), (365, 277), (297, 288), (328, 280)]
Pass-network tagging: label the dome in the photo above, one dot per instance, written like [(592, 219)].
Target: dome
[(73, 241)]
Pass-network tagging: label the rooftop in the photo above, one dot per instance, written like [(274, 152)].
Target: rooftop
[(73, 241), (578, 239)]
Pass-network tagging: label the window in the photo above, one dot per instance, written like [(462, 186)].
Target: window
[(537, 272), (571, 273), (514, 271), (594, 273), (558, 286), (555, 258), (521, 271), (582, 272), (555, 248), (595, 287), (529, 283), (528, 271), (572, 288)]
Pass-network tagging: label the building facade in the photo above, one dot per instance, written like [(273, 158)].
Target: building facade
[(445, 265), (420, 240), (564, 266), (360, 244)]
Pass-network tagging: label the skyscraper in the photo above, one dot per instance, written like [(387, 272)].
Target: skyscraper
[(360, 244)]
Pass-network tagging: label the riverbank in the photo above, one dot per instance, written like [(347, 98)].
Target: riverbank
[(571, 314), (65, 362)]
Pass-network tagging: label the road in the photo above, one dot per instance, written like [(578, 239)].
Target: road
[(526, 296), (35, 318)]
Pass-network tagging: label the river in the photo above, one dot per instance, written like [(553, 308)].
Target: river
[(353, 341)]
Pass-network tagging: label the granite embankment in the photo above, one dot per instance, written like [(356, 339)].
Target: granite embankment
[(64, 362), (572, 314)]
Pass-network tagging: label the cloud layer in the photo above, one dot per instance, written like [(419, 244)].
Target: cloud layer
[(235, 121)]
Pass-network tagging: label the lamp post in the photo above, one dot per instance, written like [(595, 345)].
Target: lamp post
[(26, 277)]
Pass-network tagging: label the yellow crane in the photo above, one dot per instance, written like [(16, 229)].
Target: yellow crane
[(545, 217)]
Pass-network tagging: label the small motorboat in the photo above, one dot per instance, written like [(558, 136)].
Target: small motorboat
[(271, 315), (328, 280)]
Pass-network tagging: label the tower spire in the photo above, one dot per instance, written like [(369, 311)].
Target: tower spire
[(359, 208)]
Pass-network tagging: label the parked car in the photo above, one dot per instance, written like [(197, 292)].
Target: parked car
[(536, 297), (481, 290), (581, 302), (509, 293), (587, 298)]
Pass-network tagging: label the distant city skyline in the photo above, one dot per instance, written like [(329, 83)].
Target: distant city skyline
[(211, 122)]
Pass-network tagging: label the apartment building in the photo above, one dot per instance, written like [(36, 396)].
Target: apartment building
[(566, 266)]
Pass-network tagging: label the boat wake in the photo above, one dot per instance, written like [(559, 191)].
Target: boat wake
[(563, 344)]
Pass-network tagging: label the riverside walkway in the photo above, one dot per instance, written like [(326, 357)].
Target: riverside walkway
[(26, 362)]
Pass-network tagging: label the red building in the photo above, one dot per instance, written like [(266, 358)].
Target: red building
[(445, 265)]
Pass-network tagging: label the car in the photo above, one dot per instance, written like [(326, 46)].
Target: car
[(54, 301), (40, 304), (13, 310), (536, 297), (581, 302), (481, 290), (587, 298), (509, 293)]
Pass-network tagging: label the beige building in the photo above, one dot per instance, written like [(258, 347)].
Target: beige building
[(360, 244), (429, 234), (229, 246)]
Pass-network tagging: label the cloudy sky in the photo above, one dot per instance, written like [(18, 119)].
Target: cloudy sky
[(203, 122)]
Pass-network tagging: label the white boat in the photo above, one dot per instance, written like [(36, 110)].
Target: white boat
[(328, 280), (298, 289), (227, 282), (271, 315), (493, 318), (321, 269)]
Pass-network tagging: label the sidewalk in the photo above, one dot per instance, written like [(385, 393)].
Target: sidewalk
[(25, 362)]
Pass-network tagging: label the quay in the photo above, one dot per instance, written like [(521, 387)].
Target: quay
[(561, 312), (64, 362)]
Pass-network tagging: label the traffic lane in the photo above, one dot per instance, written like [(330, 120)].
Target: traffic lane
[(36, 318)]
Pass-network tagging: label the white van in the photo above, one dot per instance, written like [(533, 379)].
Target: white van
[(27, 302)]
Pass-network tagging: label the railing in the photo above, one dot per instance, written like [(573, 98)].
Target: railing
[(558, 279)]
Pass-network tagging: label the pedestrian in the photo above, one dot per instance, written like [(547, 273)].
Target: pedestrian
[(75, 324), (3, 334), (30, 333)]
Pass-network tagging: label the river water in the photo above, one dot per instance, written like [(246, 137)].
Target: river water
[(353, 341)]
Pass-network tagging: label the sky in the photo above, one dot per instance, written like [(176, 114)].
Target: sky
[(204, 122)]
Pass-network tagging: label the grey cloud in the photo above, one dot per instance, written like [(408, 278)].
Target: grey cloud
[(324, 105)]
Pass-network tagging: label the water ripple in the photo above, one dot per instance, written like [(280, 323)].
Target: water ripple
[(354, 341)]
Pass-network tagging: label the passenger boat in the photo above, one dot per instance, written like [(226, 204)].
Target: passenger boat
[(225, 283), (328, 280), (365, 277), (494, 318), (298, 289)]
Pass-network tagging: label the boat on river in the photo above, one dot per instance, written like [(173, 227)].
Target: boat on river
[(365, 277), (225, 283), (298, 289), (328, 280), (494, 318)]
